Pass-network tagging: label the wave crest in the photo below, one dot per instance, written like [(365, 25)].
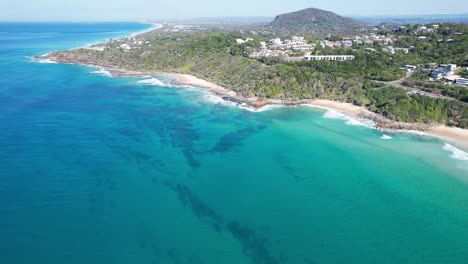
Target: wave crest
[(102, 71), (456, 153), (42, 60), (152, 81), (332, 114)]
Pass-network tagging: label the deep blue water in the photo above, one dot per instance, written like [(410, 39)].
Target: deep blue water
[(109, 170)]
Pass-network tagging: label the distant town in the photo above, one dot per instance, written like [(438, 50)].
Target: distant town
[(298, 49)]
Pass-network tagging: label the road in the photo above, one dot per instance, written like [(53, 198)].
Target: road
[(399, 84)]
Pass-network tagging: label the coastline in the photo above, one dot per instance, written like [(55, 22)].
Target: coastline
[(454, 135)]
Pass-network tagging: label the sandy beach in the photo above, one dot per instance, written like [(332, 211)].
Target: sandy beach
[(458, 135), (453, 134), (186, 79), (346, 108)]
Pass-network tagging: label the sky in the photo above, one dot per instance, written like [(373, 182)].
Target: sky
[(144, 10)]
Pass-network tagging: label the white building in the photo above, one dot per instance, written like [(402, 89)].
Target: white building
[(404, 50), (462, 81), (437, 75), (301, 47), (449, 67), (329, 57), (276, 41), (389, 49), (346, 43), (125, 47), (241, 41)]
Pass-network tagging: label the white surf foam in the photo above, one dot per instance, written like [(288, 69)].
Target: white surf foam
[(208, 97), (414, 132), (332, 114), (216, 99), (261, 109), (386, 137), (356, 122), (102, 71), (456, 153), (152, 81), (46, 61)]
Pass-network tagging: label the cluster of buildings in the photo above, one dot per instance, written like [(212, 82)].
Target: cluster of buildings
[(443, 70), (281, 48), (267, 53), (364, 40), (132, 43), (410, 69), (296, 44), (394, 50), (446, 72), (425, 29), (278, 48), (419, 30), (242, 41), (330, 44), (329, 57)]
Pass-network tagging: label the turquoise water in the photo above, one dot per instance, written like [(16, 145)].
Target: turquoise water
[(109, 170)]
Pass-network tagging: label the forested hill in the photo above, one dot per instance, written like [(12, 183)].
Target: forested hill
[(314, 21)]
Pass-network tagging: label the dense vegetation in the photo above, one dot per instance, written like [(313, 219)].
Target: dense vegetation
[(218, 58), (396, 105)]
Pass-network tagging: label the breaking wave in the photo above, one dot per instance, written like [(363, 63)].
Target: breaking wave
[(216, 99), (332, 114), (456, 153), (386, 137), (102, 72), (42, 60), (152, 81)]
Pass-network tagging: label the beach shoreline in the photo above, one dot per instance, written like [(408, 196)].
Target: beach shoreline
[(454, 135)]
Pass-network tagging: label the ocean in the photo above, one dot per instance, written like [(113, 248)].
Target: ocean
[(96, 169)]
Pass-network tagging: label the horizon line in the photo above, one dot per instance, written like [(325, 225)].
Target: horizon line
[(219, 17)]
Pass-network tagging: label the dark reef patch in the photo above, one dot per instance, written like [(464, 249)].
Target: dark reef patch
[(198, 207), (233, 139), (287, 166), (253, 246)]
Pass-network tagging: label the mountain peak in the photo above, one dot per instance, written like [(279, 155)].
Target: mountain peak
[(314, 21)]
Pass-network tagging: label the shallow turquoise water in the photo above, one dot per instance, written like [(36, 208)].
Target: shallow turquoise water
[(106, 170)]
